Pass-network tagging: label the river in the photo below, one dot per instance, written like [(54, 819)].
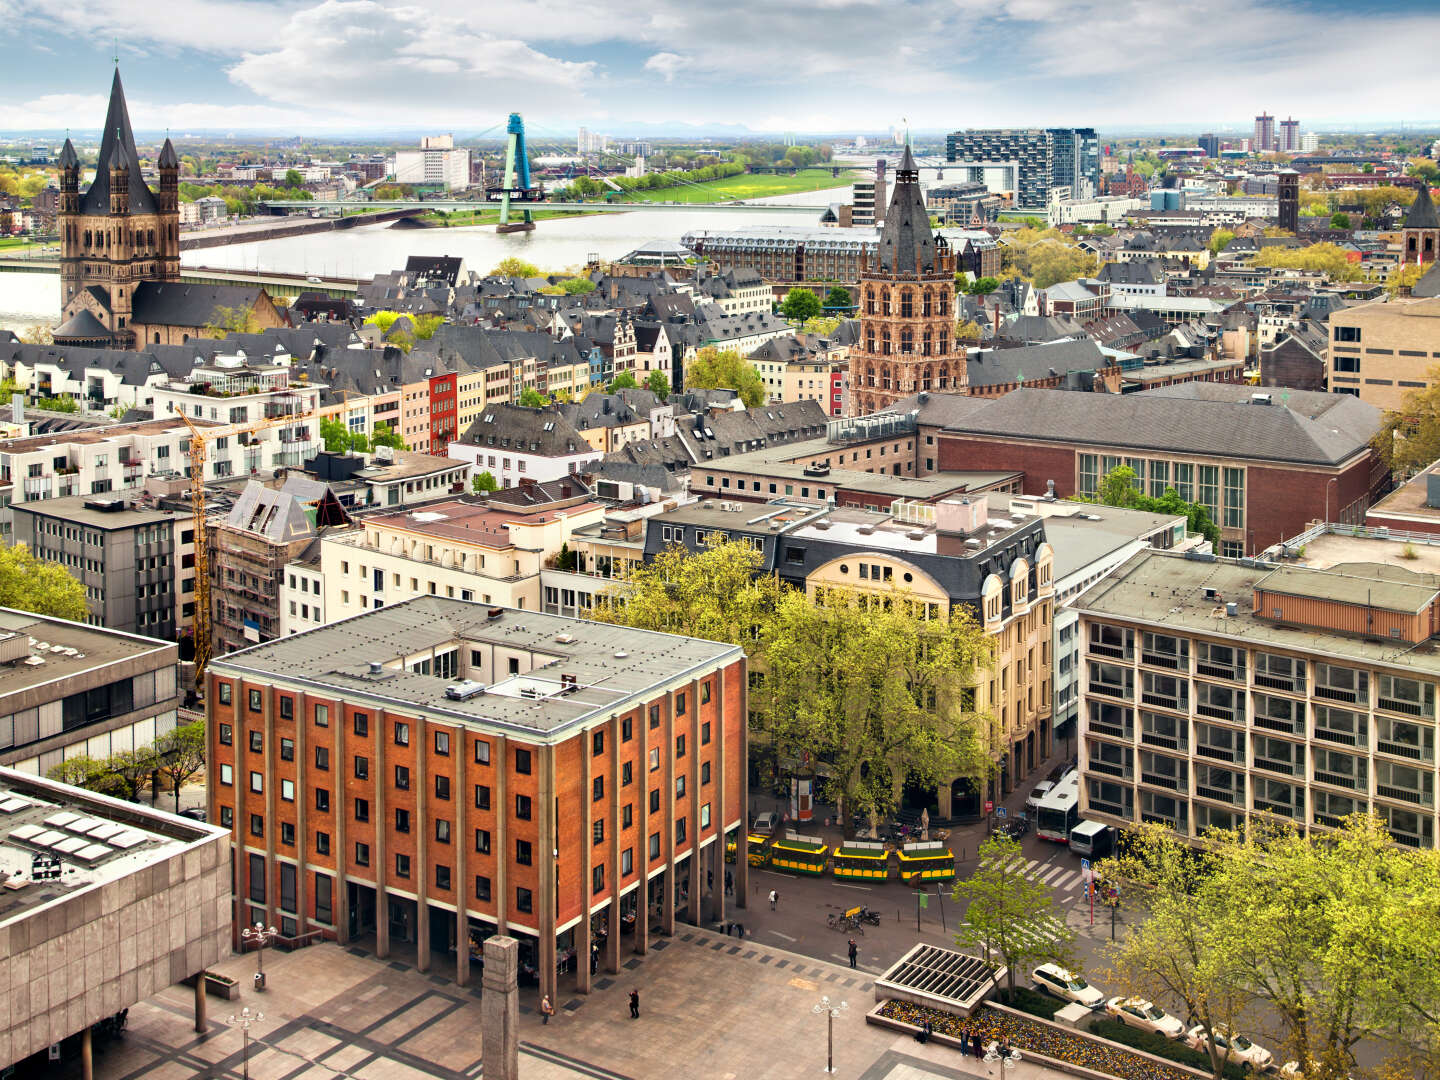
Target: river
[(556, 244)]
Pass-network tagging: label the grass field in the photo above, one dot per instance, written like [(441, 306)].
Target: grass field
[(746, 186)]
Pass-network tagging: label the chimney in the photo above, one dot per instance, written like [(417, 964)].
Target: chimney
[(1050, 490), (961, 516), (17, 408)]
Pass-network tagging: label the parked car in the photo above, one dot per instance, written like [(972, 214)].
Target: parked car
[(766, 822), (1138, 1013), (195, 813), (1032, 801), (1232, 1046), (1059, 982)]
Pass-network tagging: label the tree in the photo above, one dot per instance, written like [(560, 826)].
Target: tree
[(967, 330), (531, 398), (131, 771), (1012, 915), (1045, 257), (293, 179), (83, 771), (983, 286), (514, 267), (180, 754), (335, 435), (800, 304), (45, 588), (225, 321), (715, 369), (426, 325), (838, 297), (484, 483), (1340, 220), (1121, 487), (577, 286), (385, 435), (658, 384), (1427, 171), (1219, 240), (1405, 277), (824, 325), (1409, 437), (1328, 259), (382, 319), (39, 334)]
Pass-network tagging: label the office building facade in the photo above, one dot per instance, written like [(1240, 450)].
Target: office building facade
[(1028, 162)]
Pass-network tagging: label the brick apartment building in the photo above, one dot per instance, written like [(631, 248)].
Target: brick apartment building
[(433, 772)]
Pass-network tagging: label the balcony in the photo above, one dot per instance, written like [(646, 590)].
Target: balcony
[(1214, 671), (1165, 742), (1109, 769), (1405, 708), (1329, 692), (1405, 750), (1270, 723), (1118, 652), (1218, 753), (1218, 795), (1216, 712), (1338, 780), (1105, 689), (1274, 682), (1157, 780), (1160, 660), (1160, 701), (1385, 791)]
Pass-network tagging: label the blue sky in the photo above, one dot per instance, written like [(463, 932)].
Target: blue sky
[(771, 65)]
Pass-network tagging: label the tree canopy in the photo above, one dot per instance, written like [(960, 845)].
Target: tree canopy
[(1045, 257), (800, 304), (225, 321), (658, 383), (713, 369), (512, 266), (624, 381), (1328, 259), (1121, 487), (983, 286), (838, 297), (1409, 437), (531, 398), (45, 588), (484, 482)]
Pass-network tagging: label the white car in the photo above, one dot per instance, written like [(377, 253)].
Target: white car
[(1058, 982), (766, 822), (1138, 1013), (1032, 801), (1232, 1046)]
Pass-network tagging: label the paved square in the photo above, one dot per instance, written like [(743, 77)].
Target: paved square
[(330, 1014)]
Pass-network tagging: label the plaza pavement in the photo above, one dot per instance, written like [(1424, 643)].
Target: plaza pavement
[(709, 1008)]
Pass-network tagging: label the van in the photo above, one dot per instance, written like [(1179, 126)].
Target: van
[(1092, 840), (765, 823)]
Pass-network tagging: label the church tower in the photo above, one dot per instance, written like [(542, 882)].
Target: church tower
[(907, 307), (1422, 228), (114, 235)]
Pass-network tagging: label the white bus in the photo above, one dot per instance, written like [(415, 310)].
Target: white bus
[(1059, 811)]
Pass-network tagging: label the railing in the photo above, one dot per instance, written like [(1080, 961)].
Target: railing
[(1112, 730), (1160, 660), (1404, 795), (1408, 708), (1172, 703), (1404, 750), (1166, 742), (1283, 809), (1117, 652), (1343, 738), (1218, 794), (1217, 753), (1274, 682), (1217, 672), (1110, 770), (1288, 727), (1160, 781), (1112, 691), (1280, 768), (1330, 692), (1338, 779)]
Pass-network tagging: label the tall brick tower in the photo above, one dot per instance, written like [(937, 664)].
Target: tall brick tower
[(907, 307), (115, 234), (1422, 228), (1288, 188)]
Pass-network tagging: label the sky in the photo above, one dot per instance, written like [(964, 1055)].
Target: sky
[(831, 66)]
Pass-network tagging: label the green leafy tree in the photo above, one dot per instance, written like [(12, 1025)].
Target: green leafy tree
[(1219, 240), (838, 297), (1427, 171), (225, 321), (982, 286), (565, 559), (426, 325), (532, 398), (293, 179), (658, 384), (484, 483), (359, 443), (1340, 220), (967, 330), (799, 305), (1409, 437), (45, 588), (577, 286), (383, 320), (515, 267), (180, 754), (131, 771), (713, 369), (1121, 487), (385, 435), (624, 381), (1012, 916), (1045, 257), (86, 772), (335, 435)]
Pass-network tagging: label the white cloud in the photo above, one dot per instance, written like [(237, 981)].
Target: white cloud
[(666, 64)]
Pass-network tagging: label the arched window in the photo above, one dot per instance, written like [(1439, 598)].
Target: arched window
[(885, 301), (87, 238), (907, 340), (907, 303), (944, 342), (944, 304), (150, 238), (886, 380), (885, 342), (869, 300), (157, 337), (925, 303), (870, 339), (944, 377), (870, 375), (925, 343)]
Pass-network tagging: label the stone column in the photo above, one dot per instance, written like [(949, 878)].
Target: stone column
[(546, 905), (200, 1025), (420, 781), (379, 865), (587, 836), (500, 1009), (87, 1060)]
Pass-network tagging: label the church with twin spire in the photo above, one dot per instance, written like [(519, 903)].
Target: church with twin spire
[(117, 237)]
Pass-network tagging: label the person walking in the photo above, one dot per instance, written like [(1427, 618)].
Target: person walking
[(729, 883), (774, 899), (634, 1004), (854, 950), (740, 931), (976, 1047), (546, 1009)]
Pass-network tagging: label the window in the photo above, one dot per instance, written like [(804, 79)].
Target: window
[(225, 734), (482, 752), (680, 786), (523, 852), (402, 777), (322, 799), (402, 820), (257, 742), (322, 716), (522, 807), (598, 831), (482, 887), (654, 845), (442, 831), (442, 743), (705, 692), (1349, 364), (362, 854), (362, 768), (287, 790), (654, 758), (597, 743), (287, 749), (227, 816), (482, 841), (680, 745), (362, 724), (705, 731), (402, 866), (257, 825), (627, 773), (225, 692), (597, 787), (627, 815), (442, 787), (1347, 333), (705, 816), (287, 708), (482, 797), (523, 901), (254, 700), (627, 728), (362, 809), (704, 773), (597, 880), (522, 761), (655, 801), (257, 782), (324, 902), (257, 878), (680, 831), (627, 862), (322, 843), (654, 717), (402, 734), (442, 877), (679, 704)]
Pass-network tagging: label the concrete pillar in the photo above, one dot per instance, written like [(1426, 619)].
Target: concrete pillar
[(420, 872), (548, 854), (698, 867), (200, 1025), (717, 894), (612, 943), (742, 862), (463, 840), (642, 917), (500, 1009), (87, 1057)]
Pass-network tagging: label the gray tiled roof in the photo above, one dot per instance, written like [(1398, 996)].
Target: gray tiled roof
[(117, 139), (906, 239)]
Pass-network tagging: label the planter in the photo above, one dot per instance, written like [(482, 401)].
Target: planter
[(221, 986)]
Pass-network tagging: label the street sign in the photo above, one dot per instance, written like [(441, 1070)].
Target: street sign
[(1000, 811), (1085, 866), (989, 806), (924, 899)]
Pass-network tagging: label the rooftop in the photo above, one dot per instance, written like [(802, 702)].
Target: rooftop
[(613, 667), (59, 650), (1409, 500), (86, 510), (86, 436), (1189, 593), (93, 839), (474, 522)]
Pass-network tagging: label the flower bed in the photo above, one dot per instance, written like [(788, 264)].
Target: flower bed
[(1047, 1040), (1160, 1046)]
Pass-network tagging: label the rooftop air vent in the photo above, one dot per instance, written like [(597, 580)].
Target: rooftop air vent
[(464, 690), (376, 667), (565, 639), (621, 654), (495, 613)]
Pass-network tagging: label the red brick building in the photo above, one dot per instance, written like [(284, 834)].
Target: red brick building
[(425, 775), (1265, 463)]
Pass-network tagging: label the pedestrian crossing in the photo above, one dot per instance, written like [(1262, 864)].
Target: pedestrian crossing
[(1058, 875)]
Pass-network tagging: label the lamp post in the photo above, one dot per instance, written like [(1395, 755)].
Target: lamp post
[(831, 1009), (243, 1020), (261, 935)]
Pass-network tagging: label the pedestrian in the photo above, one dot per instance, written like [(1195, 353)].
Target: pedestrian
[(774, 898), (729, 883), (634, 1004), (709, 879), (975, 1047), (594, 958), (546, 1009), (740, 931), (854, 950)]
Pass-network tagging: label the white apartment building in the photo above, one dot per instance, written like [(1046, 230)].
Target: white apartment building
[(436, 162)]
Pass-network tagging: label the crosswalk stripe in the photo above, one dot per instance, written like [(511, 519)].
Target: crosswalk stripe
[(1053, 873)]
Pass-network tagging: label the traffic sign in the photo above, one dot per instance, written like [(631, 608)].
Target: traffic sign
[(989, 806), (1000, 811), (1085, 866)]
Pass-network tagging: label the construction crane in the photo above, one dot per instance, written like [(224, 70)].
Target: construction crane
[(196, 457)]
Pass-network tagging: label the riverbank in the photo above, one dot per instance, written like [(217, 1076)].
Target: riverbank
[(748, 186), (443, 219)]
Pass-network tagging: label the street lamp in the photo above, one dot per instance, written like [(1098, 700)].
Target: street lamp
[(261, 935), (831, 1009), (243, 1022)]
